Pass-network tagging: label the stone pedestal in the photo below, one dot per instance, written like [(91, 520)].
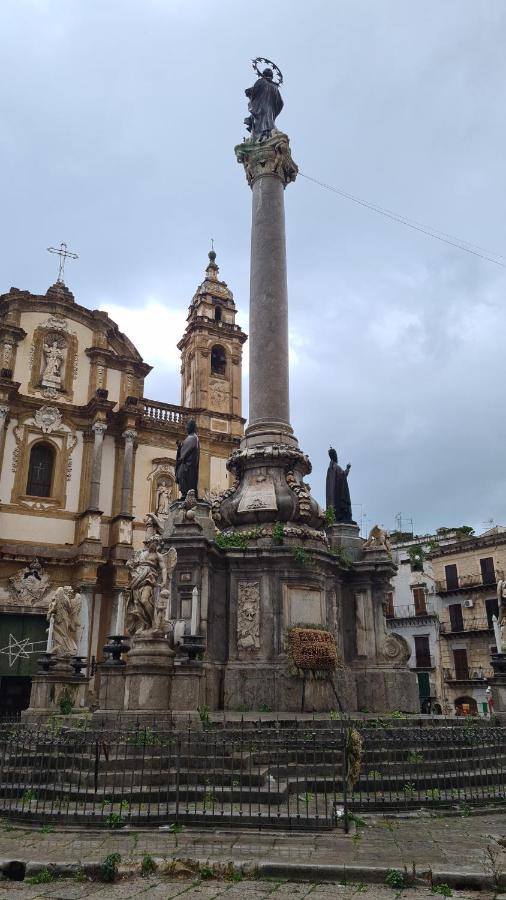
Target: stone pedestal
[(498, 683), (112, 687), (148, 673), (346, 536), (187, 689), (47, 690)]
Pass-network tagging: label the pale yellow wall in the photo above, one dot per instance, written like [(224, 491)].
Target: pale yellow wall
[(36, 528), (107, 475), (73, 486), (30, 321), (219, 474), (7, 475)]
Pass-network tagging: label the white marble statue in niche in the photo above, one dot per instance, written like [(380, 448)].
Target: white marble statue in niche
[(54, 356), (163, 498)]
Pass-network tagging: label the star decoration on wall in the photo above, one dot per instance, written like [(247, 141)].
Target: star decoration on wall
[(22, 649)]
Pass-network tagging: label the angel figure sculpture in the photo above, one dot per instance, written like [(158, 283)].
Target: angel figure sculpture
[(146, 597), (64, 617)]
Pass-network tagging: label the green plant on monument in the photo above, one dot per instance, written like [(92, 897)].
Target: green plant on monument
[(302, 557), (66, 701), (330, 516), (278, 533)]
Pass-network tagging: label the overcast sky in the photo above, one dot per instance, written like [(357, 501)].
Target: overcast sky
[(117, 127)]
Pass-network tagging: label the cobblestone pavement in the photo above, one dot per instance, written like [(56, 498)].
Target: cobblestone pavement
[(459, 846), (165, 889)]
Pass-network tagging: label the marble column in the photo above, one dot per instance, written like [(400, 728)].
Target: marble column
[(99, 429), (86, 592), (4, 412), (269, 168), (128, 458)]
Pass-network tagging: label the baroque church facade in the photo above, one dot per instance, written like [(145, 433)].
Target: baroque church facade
[(85, 456)]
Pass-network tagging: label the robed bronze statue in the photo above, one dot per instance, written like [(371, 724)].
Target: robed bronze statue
[(187, 461), (265, 102), (338, 492)]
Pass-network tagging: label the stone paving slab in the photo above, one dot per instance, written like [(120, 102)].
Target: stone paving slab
[(157, 889), (460, 846)]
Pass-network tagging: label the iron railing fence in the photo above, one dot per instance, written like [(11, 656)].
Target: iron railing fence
[(294, 775), (263, 777), (409, 768)]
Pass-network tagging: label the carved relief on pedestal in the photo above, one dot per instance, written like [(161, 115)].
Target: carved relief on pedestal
[(53, 360), (30, 585), (248, 615)]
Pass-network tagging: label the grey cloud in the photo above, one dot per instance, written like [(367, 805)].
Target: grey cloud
[(117, 127)]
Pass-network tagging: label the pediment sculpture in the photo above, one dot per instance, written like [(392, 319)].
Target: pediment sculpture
[(30, 585)]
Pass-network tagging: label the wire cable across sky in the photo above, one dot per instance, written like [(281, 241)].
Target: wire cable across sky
[(450, 239)]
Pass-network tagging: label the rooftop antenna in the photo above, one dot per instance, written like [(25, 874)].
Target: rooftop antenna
[(64, 254)]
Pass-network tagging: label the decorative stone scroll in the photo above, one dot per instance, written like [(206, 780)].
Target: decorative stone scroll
[(396, 650), (248, 615)]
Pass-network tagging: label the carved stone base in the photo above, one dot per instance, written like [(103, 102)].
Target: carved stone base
[(196, 521), (383, 690), (148, 671), (269, 487)]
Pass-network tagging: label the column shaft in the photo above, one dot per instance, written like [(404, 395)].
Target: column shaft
[(96, 465), (126, 484), (269, 391)]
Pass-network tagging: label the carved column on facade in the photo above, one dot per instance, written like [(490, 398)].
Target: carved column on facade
[(4, 412), (99, 429), (128, 461)]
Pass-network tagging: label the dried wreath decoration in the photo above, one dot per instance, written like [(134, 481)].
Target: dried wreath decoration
[(354, 748), (312, 651)]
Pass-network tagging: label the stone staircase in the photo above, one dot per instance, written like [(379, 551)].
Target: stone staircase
[(289, 775)]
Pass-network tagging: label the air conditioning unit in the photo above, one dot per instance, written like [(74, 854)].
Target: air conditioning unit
[(469, 603)]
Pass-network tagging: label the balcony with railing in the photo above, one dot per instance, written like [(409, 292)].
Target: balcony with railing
[(164, 413), (466, 625), (478, 676), (411, 611), (475, 581)]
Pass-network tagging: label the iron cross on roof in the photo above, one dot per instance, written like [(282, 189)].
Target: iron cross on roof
[(64, 254)]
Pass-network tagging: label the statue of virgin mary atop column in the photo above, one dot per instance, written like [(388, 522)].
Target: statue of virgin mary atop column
[(265, 101)]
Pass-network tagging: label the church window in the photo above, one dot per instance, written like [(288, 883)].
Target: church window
[(40, 470), (217, 314), (218, 360)]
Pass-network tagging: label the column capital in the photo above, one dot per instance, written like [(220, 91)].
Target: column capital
[(99, 428), (4, 411), (129, 435), (270, 157)]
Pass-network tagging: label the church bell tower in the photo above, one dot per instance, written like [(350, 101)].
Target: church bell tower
[(211, 353)]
